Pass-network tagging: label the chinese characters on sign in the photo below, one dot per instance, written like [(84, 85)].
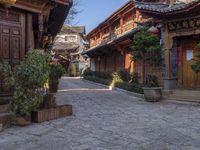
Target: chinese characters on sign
[(182, 25)]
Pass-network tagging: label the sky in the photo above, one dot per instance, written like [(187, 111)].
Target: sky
[(93, 12)]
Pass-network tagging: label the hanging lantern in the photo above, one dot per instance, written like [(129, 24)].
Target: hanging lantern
[(154, 30), (8, 1)]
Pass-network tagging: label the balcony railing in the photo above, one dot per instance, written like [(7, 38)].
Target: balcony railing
[(110, 36)]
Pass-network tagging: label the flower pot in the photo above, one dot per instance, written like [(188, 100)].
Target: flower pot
[(21, 121), (153, 94)]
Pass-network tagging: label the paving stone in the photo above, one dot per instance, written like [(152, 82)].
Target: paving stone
[(109, 120)]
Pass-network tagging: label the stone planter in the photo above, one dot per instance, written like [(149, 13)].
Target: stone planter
[(21, 121), (153, 94)]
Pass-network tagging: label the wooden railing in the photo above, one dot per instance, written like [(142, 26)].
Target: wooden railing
[(110, 36)]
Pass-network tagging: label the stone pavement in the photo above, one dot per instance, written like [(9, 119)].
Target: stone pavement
[(109, 120)]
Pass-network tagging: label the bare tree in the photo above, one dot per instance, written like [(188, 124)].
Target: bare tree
[(73, 12)]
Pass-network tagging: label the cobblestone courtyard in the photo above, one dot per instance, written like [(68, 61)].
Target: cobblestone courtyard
[(109, 120)]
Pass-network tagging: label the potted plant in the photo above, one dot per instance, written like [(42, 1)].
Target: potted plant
[(30, 78), (72, 70), (56, 72), (152, 90), (146, 48)]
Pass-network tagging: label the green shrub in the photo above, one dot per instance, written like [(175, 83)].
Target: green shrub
[(30, 78), (135, 78), (124, 75), (116, 79), (7, 75), (151, 81), (56, 72), (196, 65), (72, 70), (88, 72)]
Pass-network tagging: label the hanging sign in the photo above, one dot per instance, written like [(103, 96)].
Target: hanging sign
[(8, 1)]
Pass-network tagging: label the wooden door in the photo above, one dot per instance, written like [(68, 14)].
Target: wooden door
[(12, 38), (189, 78)]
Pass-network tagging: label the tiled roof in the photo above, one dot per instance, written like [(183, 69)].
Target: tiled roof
[(72, 29), (165, 9)]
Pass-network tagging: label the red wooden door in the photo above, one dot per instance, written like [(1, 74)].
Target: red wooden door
[(189, 51)]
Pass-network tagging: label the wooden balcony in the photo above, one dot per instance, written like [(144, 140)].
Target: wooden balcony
[(110, 36)]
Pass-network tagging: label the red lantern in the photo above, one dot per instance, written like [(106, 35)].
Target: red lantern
[(154, 30)]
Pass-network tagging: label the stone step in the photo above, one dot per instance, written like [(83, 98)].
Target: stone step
[(7, 119), (4, 108), (5, 100)]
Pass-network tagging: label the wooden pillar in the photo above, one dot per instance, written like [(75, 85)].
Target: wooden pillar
[(121, 23), (40, 27), (168, 46), (29, 31)]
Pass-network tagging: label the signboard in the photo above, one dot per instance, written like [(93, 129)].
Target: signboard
[(189, 55), (183, 25)]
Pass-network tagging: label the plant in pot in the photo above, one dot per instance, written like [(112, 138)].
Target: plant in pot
[(72, 70), (56, 72), (146, 48), (30, 78), (152, 91)]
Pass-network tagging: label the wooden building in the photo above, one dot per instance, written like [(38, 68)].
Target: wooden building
[(70, 43), (29, 24), (179, 22), (111, 40)]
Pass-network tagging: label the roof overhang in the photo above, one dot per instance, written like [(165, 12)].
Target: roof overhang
[(164, 10), (103, 48)]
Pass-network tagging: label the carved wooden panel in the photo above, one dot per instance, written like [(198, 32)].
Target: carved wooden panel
[(5, 47), (9, 16), (15, 47)]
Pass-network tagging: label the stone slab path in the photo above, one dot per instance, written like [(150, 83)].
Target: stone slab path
[(109, 120)]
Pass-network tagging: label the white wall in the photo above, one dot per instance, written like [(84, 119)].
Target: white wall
[(92, 64)]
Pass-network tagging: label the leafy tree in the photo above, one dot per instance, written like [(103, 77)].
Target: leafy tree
[(146, 47)]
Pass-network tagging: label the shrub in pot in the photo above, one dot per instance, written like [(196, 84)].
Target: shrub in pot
[(152, 91), (30, 78), (72, 70), (56, 72), (146, 48)]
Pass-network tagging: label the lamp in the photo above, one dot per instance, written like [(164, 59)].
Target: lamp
[(154, 30)]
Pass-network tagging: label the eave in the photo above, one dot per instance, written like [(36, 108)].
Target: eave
[(164, 10), (102, 48)]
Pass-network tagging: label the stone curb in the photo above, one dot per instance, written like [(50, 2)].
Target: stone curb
[(1, 127), (116, 89)]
